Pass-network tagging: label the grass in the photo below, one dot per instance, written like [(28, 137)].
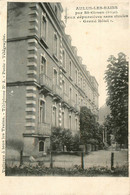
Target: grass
[(37, 170)]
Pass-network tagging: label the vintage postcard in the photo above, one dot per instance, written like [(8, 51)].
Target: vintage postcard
[(64, 97)]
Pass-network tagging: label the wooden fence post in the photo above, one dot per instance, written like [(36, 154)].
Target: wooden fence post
[(112, 160), (82, 160), (51, 160), (21, 157)]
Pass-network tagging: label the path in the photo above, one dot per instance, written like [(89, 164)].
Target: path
[(97, 158)]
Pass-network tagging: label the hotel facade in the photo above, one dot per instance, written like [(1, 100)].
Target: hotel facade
[(46, 80)]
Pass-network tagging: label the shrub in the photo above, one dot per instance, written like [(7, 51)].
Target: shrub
[(62, 137), (74, 171)]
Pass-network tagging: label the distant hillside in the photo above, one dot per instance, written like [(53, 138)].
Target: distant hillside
[(103, 112)]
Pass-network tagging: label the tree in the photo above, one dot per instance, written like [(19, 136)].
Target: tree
[(90, 130), (116, 77), (108, 128), (56, 139), (75, 142), (63, 137)]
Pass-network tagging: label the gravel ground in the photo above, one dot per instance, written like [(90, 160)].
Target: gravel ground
[(97, 158)]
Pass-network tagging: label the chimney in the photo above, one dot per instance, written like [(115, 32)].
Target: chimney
[(74, 50), (69, 39), (63, 25), (80, 59)]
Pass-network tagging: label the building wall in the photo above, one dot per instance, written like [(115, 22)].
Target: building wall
[(17, 61), (32, 62), (15, 124), (16, 104), (18, 14)]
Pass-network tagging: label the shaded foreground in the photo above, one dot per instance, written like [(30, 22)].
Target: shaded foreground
[(75, 171)]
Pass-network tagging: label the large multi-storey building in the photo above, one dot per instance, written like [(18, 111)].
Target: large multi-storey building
[(46, 80)]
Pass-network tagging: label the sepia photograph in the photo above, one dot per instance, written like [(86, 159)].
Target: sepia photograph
[(67, 89)]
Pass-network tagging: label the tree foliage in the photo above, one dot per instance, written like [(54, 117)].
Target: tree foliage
[(116, 77), (63, 137), (91, 131), (108, 126)]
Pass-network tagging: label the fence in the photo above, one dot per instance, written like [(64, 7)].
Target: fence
[(76, 158)]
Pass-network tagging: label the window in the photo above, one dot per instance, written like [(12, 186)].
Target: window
[(43, 65), (54, 118), (63, 86), (42, 111), (70, 122), (70, 69), (76, 124), (41, 146), (76, 77), (56, 45), (81, 82), (64, 59), (81, 102), (44, 27), (70, 94), (62, 119), (76, 99), (55, 77)]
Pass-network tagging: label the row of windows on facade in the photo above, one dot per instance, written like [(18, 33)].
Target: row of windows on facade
[(42, 117), (44, 24), (43, 70), (78, 76)]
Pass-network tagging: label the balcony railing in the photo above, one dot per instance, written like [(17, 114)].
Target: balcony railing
[(46, 81), (72, 102), (77, 107), (57, 90), (44, 129), (65, 98)]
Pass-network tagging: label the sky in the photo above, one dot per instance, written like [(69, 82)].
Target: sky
[(95, 42)]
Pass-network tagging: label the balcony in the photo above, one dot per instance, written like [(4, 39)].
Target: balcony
[(46, 81), (65, 97), (44, 129), (77, 107), (57, 91), (72, 103)]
